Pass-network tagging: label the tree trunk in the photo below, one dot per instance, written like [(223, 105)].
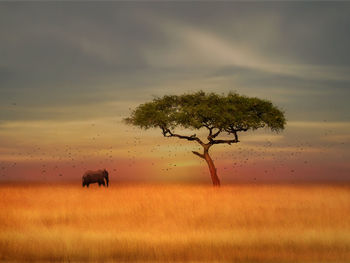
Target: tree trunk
[(214, 177)]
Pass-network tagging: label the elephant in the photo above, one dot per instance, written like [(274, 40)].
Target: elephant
[(98, 176)]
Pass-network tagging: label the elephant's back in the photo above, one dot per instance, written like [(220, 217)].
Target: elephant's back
[(93, 175)]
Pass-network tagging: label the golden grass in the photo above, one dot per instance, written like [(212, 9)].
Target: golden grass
[(244, 223)]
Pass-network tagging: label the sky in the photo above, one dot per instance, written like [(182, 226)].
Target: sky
[(71, 71)]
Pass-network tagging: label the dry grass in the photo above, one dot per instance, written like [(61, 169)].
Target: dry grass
[(245, 223)]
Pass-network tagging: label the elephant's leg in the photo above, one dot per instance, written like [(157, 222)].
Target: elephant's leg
[(99, 184), (87, 185)]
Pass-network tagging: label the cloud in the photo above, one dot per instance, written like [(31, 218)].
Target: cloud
[(82, 55), (191, 46)]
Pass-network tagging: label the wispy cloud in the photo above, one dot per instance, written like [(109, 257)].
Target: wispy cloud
[(191, 46)]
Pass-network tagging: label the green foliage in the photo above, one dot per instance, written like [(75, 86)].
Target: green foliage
[(230, 113)]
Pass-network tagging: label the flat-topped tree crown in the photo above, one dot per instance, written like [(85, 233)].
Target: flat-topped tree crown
[(231, 113)]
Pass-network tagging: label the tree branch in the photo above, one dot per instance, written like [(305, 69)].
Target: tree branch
[(167, 133), (236, 136), (233, 129), (223, 141), (198, 154), (211, 136), (235, 140), (216, 134)]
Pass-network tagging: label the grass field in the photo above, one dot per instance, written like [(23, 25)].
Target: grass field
[(242, 223)]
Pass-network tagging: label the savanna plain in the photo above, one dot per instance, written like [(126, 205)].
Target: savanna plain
[(168, 223)]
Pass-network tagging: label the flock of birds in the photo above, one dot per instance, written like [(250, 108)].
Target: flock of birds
[(165, 154)]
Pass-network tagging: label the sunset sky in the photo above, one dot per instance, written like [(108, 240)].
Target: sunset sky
[(70, 72)]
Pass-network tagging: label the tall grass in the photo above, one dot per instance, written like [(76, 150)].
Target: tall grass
[(244, 223)]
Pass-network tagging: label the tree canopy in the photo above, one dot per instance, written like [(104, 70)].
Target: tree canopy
[(231, 113)]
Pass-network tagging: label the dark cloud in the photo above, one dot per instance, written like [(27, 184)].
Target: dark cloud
[(72, 55)]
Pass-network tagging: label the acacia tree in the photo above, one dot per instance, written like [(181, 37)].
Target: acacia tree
[(218, 114)]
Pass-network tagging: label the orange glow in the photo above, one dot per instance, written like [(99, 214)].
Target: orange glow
[(64, 150)]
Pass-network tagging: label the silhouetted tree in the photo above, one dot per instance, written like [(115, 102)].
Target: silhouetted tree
[(231, 114)]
